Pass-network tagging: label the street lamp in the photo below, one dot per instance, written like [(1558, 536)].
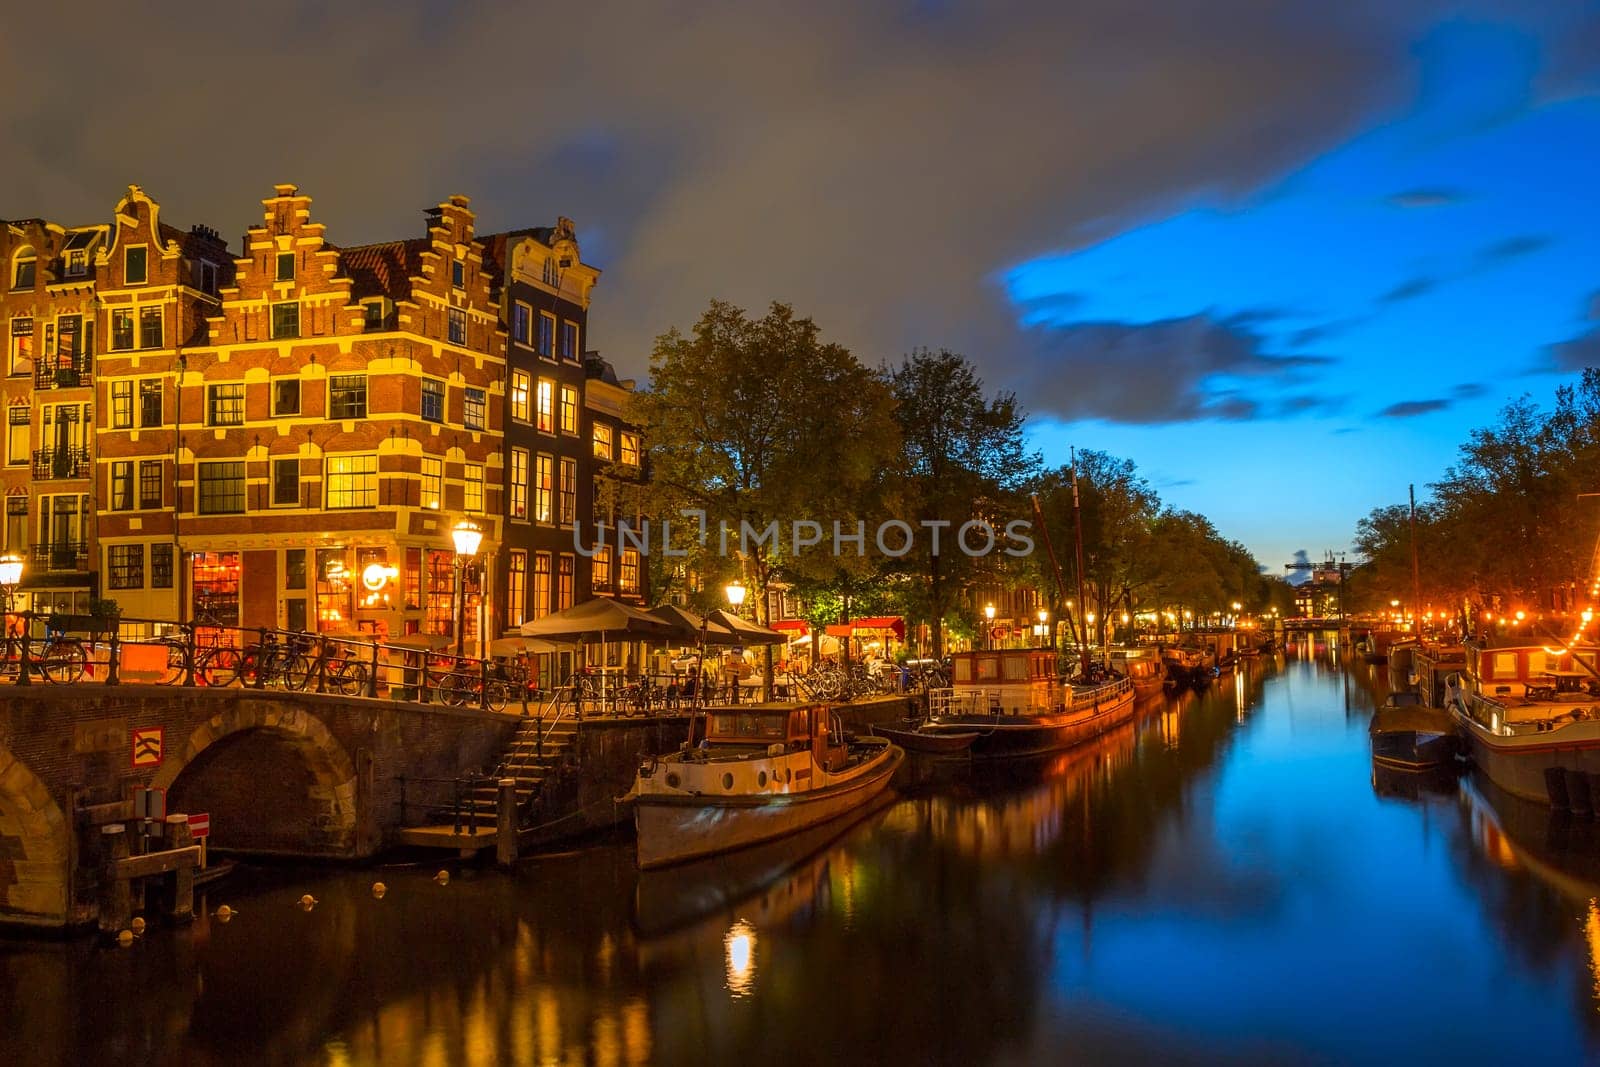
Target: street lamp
[(735, 592), (468, 537), (1044, 626), (988, 629), (10, 577)]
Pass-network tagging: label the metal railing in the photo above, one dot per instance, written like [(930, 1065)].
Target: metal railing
[(64, 372), (60, 555), (51, 463), (457, 800)]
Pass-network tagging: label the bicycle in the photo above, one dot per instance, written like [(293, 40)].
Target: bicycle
[(59, 659), (283, 664), (460, 688)]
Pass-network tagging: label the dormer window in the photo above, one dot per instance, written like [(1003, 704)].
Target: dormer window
[(549, 271), (135, 265), (75, 256), (285, 266), (23, 268), (374, 319)]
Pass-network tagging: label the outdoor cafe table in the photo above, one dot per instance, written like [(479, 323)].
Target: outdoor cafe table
[(1566, 681)]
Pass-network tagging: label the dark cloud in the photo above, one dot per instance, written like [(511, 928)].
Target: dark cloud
[(1407, 409), (1408, 290), (1413, 198), (1172, 370), (1580, 352), (1512, 247), (875, 166), (1470, 391)]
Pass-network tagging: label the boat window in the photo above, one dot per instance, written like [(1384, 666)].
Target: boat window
[(1016, 668), (761, 726), (724, 725), (1538, 663), (988, 667), (797, 725), (1504, 665), (963, 669)]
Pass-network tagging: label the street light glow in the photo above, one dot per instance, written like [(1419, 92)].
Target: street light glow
[(468, 537), (735, 592)]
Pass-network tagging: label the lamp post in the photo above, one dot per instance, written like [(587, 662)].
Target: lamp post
[(735, 592), (10, 577), (468, 537), (1044, 627), (988, 628)]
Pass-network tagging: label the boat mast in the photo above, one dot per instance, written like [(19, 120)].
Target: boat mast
[(1055, 564), (1416, 572), (1077, 523)]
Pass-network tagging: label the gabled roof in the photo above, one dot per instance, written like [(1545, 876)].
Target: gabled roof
[(383, 269)]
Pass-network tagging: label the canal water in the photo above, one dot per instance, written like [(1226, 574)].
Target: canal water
[(1224, 881)]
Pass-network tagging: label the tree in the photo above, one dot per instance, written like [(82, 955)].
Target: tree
[(760, 424), (962, 460)]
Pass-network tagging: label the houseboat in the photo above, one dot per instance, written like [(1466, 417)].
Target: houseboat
[(758, 773), (1140, 665), (1410, 737), (1529, 717), (1431, 666), (1018, 703), (1186, 665)]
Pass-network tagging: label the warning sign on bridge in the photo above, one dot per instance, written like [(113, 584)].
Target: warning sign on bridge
[(147, 746)]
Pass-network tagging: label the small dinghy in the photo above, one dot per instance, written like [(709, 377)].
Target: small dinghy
[(928, 742)]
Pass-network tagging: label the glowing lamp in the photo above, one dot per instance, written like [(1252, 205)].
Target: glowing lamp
[(1521, 615), (10, 571), (735, 592), (1044, 616), (377, 575), (988, 612), (467, 537)]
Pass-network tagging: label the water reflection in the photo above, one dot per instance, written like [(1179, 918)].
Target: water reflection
[(1224, 878)]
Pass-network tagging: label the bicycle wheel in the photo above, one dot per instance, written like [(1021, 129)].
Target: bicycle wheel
[(455, 690), (175, 659), (63, 661), (496, 695), (289, 670), (349, 678), (231, 666)]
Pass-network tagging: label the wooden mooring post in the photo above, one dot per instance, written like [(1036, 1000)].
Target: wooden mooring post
[(116, 896), (505, 844)]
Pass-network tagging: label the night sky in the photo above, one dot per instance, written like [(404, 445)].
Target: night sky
[(1284, 257)]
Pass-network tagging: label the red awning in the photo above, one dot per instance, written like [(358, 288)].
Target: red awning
[(838, 631), (799, 626), (893, 623)]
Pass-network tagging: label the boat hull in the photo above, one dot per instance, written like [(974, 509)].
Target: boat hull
[(1033, 735), (932, 743), (677, 829)]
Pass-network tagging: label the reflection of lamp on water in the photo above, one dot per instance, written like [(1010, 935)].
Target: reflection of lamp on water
[(468, 537), (739, 949)]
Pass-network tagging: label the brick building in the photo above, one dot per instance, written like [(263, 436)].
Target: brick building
[(288, 438), (616, 569)]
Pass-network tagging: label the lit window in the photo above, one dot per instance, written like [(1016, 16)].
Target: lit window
[(347, 396), (628, 572), (564, 572), (547, 414), (121, 405), (630, 449), (221, 488), (600, 566), (602, 441), (520, 385), (21, 361), (473, 409), (122, 485), (432, 400), (225, 404), (17, 425), (473, 501), (432, 482), (544, 489), (517, 589), (351, 481), (569, 410), (541, 584), (519, 483)]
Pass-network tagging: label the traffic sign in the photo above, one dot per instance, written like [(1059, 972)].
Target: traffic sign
[(200, 825), (147, 746), (150, 804)]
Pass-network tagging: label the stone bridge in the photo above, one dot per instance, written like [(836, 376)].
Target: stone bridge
[(287, 774)]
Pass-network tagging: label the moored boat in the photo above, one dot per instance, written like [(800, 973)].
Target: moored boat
[(1531, 722), (928, 742), (760, 772), (1020, 706), (1141, 665), (1186, 665), (1408, 736)]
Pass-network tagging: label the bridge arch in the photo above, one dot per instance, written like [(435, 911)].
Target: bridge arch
[(33, 846), (273, 777)]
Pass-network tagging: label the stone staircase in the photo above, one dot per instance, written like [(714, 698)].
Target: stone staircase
[(525, 761)]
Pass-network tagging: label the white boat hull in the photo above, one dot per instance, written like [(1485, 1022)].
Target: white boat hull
[(678, 827)]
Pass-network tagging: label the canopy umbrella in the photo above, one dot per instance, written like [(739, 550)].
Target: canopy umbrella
[(690, 628), (599, 618), (419, 642), (747, 633), (515, 646)]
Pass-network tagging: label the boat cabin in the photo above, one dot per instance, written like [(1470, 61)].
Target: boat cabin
[(1141, 664), (1530, 670), (776, 729), (1006, 681)]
